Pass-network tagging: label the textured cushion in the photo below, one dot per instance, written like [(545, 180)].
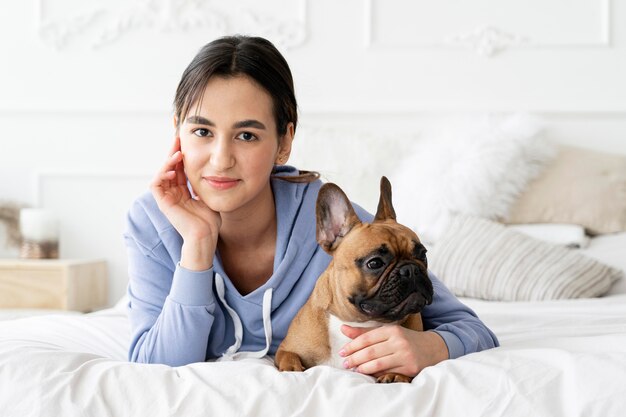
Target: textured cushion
[(480, 258), (578, 187)]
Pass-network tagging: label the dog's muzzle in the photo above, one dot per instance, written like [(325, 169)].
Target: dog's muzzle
[(406, 290)]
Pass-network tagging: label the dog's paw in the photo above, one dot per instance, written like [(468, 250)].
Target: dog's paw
[(288, 362), (291, 368), (387, 378)]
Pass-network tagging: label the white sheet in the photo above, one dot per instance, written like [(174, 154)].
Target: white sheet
[(560, 358)]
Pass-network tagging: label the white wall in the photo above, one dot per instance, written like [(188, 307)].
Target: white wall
[(86, 86)]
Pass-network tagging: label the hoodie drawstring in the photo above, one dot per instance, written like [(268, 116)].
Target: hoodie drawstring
[(233, 351)]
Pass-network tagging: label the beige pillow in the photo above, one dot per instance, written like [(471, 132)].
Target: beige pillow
[(579, 187), (484, 259)]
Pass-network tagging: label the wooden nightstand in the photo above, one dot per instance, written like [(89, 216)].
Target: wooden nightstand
[(53, 284)]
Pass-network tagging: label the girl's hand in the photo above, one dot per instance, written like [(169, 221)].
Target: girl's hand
[(191, 217), (392, 349)]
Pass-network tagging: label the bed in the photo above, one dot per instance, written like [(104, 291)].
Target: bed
[(558, 357)]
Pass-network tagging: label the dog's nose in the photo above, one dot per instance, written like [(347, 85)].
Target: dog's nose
[(408, 271)]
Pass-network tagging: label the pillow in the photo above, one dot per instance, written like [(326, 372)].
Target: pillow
[(610, 249), (480, 258), (581, 187), (476, 166), (570, 235)]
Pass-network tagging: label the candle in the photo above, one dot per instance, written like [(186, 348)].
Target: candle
[(40, 233)]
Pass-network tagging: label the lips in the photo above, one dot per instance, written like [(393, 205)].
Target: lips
[(221, 183)]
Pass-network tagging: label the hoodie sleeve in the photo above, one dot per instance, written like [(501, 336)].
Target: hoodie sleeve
[(170, 308), (456, 323)]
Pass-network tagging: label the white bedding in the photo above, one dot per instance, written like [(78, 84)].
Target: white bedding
[(557, 358), (561, 358)]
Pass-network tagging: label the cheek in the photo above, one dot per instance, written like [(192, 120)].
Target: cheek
[(260, 161), (187, 144), (192, 160)]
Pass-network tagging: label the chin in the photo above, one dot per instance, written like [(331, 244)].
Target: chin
[(221, 207)]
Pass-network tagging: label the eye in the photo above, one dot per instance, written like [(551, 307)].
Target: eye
[(201, 132), (246, 136), (375, 263), (419, 253)]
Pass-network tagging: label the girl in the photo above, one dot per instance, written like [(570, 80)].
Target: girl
[(222, 251)]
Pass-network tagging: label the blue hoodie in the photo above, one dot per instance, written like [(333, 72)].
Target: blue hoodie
[(179, 316)]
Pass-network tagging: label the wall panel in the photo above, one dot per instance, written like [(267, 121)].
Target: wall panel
[(86, 86)]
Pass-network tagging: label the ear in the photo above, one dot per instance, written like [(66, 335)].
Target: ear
[(385, 209), (335, 217), (284, 148)]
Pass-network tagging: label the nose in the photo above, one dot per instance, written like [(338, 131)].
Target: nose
[(409, 271), (221, 157)]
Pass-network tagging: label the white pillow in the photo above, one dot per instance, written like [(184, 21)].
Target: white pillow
[(480, 258), (475, 166), (571, 235)]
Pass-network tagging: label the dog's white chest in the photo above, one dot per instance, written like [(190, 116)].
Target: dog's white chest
[(338, 340)]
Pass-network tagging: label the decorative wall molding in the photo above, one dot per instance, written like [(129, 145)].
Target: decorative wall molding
[(336, 111), (102, 24), (486, 40)]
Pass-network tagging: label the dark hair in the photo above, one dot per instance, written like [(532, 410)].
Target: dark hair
[(254, 57), (230, 56)]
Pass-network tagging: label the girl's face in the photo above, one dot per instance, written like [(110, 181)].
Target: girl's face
[(230, 144)]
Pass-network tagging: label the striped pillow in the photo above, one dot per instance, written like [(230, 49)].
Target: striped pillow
[(480, 258)]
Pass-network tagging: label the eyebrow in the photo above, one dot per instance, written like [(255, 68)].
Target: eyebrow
[(238, 125), (199, 120)]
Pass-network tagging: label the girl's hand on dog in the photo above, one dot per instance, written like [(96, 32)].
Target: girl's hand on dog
[(391, 349)]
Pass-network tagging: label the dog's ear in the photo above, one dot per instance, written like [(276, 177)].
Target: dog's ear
[(335, 217), (385, 209)]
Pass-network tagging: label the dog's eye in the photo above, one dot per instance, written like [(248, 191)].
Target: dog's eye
[(419, 253), (375, 263)]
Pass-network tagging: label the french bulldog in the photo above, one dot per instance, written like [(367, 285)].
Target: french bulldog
[(377, 276)]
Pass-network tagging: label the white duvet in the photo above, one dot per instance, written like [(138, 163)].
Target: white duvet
[(560, 358)]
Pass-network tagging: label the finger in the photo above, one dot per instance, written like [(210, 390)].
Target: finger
[(354, 332), (169, 165), (175, 146), (171, 162), (377, 366), (166, 177), (366, 338), (181, 177), (367, 355), (161, 181)]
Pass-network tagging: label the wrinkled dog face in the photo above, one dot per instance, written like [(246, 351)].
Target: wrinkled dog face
[(393, 280), (379, 269)]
